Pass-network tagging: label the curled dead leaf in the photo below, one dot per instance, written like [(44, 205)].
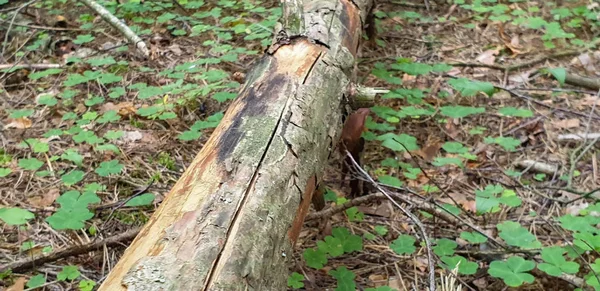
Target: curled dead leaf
[(566, 123), (19, 285), (46, 199), (18, 123), (488, 57)]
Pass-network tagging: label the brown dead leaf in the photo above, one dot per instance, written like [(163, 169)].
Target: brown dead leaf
[(377, 279), (394, 283), (19, 285), (18, 123), (589, 101), (408, 78), (430, 151), (488, 57), (125, 109), (566, 123), (45, 199)]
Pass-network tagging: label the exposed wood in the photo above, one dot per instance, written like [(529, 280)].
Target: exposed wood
[(230, 220)]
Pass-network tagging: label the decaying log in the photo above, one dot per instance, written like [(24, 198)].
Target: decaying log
[(231, 220)]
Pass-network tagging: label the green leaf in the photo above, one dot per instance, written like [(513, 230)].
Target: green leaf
[(454, 148), (508, 143), (109, 116), (5, 172), (87, 136), (295, 280), (444, 247), (114, 134), (440, 162), (404, 244), (354, 214), (148, 111), (14, 114), (398, 143), (464, 266), (116, 92), (15, 216), (473, 237), (560, 74), (555, 264), (513, 272), (142, 200), (86, 285), (73, 211), (580, 223), (36, 281), (331, 246), (72, 177), (315, 258), (381, 230), (44, 73), (224, 96), (81, 39), (389, 180), (414, 69), (103, 61), (189, 135), (460, 111), (68, 273), (471, 88), (27, 245), (108, 168), (350, 242), (512, 111), (107, 147), (345, 279), (516, 235), (73, 156), (47, 100), (31, 164)]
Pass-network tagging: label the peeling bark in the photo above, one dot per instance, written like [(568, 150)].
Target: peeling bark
[(230, 220)]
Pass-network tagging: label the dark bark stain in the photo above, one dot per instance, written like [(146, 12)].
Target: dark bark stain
[(256, 100)]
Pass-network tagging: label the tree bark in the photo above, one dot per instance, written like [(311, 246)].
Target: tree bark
[(231, 220)]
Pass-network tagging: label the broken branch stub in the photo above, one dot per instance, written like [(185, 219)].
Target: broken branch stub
[(230, 221)]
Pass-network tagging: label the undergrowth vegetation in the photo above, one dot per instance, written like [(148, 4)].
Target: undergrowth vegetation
[(472, 137)]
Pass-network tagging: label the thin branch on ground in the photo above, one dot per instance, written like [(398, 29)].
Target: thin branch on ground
[(11, 24), (530, 99), (574, 159), (118, 25), (29, 263), (30, 66), (432, 284)]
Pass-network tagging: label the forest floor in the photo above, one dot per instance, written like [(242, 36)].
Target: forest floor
[(479, 92)]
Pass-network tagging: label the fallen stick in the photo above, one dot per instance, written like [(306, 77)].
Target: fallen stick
[(538, 166), (581, 81), (118, 25), (28, 263), (30, 66), (578, 136)]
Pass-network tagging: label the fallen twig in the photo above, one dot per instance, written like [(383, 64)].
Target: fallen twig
[(30, 66), (11, 24), (432, 284), (22, 265), (118, 25), (577, 136), (530, 99), (538, 166)]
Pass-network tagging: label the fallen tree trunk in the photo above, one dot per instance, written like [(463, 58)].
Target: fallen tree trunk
[(230, 221)]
